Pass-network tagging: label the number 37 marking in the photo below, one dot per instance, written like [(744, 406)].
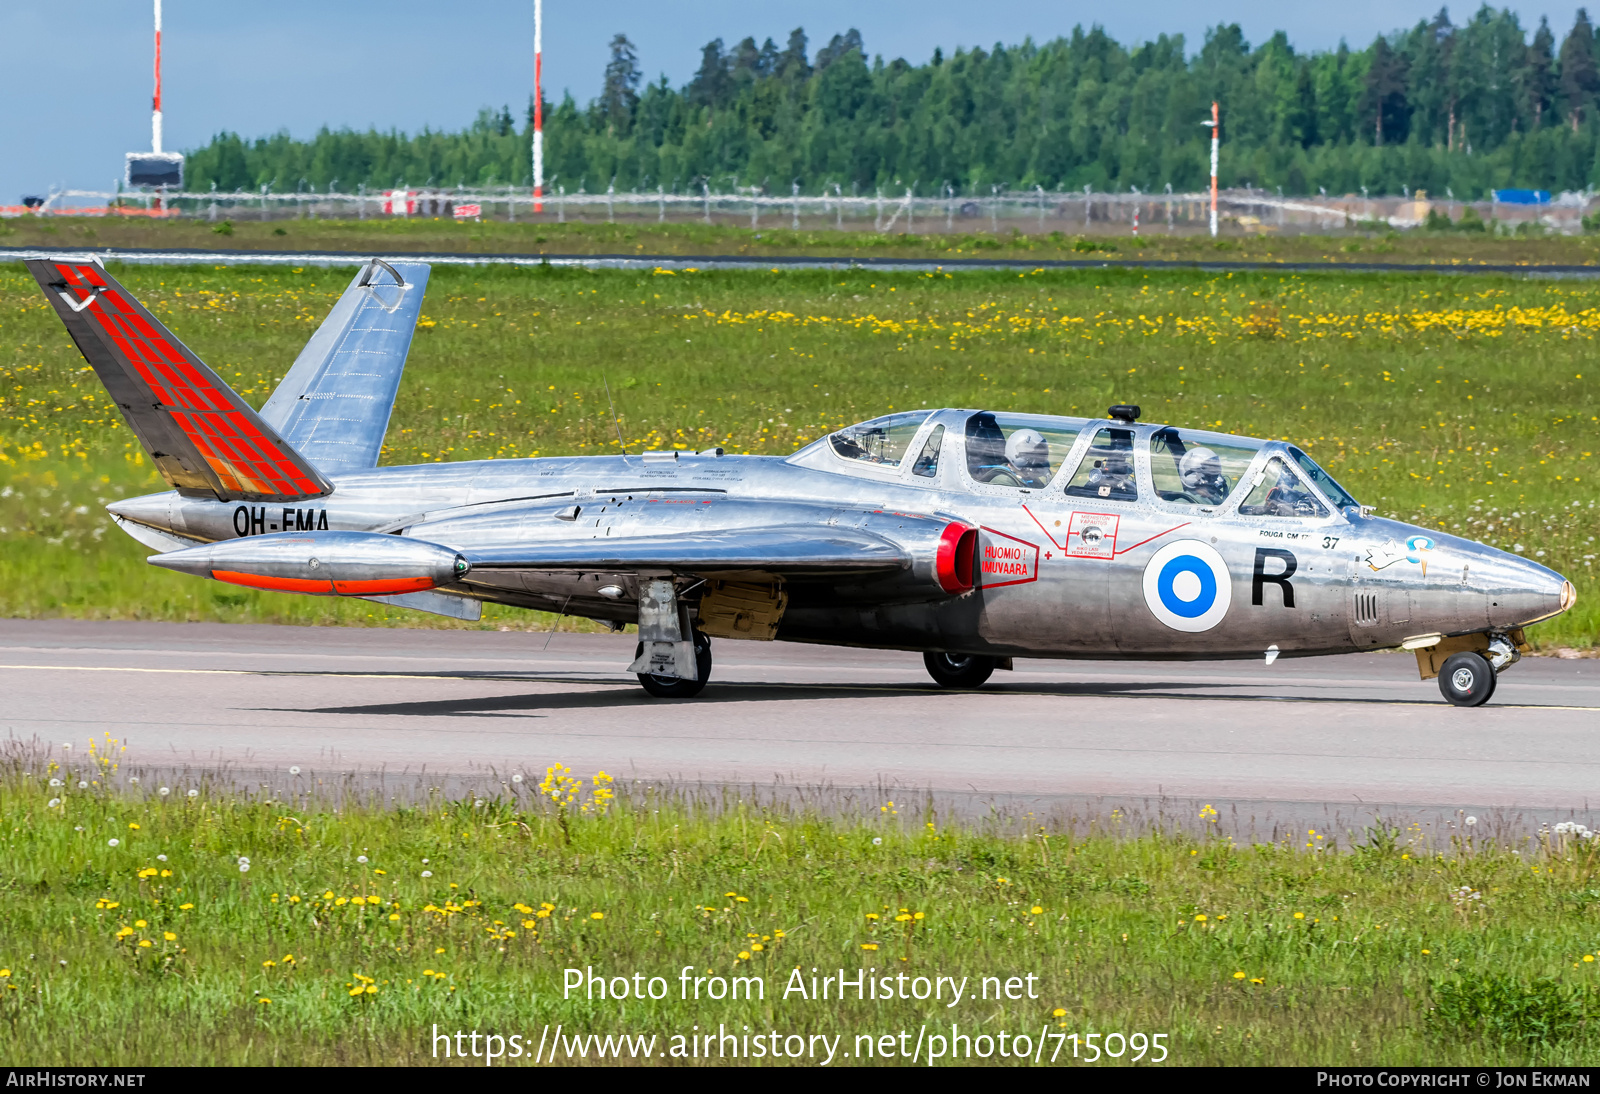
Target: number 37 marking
[(1330, 542)]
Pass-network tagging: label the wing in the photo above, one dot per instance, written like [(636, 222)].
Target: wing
[(200, 434), (781, 552), (335, 402)]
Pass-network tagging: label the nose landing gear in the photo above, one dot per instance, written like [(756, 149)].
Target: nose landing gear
[(1467, 679)]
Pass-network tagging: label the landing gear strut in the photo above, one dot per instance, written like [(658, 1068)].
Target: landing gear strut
[(960, 670)]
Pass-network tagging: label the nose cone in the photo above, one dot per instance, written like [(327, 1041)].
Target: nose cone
[(1516, 591), (154, 510)]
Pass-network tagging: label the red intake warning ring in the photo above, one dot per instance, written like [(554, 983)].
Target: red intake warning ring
[(953, 565)]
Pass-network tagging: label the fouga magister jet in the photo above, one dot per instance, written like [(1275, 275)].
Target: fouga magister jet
[(971, 536)]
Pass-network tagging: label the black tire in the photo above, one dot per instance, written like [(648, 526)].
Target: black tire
[(959, 670), (1467, 679), (671, 687)]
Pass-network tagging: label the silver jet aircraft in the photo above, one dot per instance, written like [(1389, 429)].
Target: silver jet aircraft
[(971, 536)]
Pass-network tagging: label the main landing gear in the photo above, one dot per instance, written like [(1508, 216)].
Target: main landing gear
[(960, 670), (673, 660)]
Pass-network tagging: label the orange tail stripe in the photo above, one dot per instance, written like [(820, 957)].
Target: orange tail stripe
[(240, 454), (276, 584)]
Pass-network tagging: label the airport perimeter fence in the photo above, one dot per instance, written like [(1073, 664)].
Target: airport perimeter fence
[(1084, 212)]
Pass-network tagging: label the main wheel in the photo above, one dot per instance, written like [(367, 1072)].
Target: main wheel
[(1467, 679), (959, 670), (671, 687)]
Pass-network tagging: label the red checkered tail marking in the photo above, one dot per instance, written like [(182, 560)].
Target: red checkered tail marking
[(200, 434)]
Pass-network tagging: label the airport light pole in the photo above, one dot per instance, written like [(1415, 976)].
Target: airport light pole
[(155, 99), (1216, 133), (538, 105)]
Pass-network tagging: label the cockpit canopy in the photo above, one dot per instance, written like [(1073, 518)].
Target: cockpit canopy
[(1092, 460)]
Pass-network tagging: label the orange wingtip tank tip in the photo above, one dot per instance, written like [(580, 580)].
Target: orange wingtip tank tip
[(325, 588)]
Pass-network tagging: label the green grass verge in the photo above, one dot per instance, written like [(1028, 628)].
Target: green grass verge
[(645, 236), (134, 937), (1468, 405)]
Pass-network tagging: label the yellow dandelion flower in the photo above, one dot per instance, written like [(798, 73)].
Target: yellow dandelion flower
[(141, 924), (1299, 915), (169, 936), (744, 955), (1238, 976), (269, 964), (263, 999), (1059, 1012), (1035, 910), (869, 945), (597, 915), (185, 907), (357, 990), (144, 943)]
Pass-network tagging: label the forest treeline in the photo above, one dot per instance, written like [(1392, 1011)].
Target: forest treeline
[(1441, 107)]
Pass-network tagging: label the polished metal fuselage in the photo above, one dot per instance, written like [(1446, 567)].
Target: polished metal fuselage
[(1345, 581)]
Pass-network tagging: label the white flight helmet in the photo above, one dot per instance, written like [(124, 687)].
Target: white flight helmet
[(1199, 467), (1027, 448)]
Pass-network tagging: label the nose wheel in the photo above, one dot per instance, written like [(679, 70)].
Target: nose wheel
[(1467, 679), (958, 670)]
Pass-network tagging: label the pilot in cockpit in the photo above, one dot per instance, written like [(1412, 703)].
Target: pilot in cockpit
[(1028, 455), (1200, 471), (1112, 477)]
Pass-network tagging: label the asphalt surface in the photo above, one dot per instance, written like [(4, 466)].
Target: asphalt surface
[(232, 257), (1296, 739)]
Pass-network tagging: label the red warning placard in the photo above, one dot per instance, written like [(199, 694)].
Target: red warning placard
[(1006, 560), (1092, 535)]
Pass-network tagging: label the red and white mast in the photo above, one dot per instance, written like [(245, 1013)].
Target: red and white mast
[(155, 102), (1216, 135), (538, 103)]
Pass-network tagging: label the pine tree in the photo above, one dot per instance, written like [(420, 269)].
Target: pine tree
[(619, 95), (1537, 78), (1384, 95), (1579, 78)]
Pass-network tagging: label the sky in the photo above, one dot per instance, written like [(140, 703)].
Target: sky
[(77, 79)]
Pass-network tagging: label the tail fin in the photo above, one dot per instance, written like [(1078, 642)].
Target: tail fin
[(201, 435), (334, 404)]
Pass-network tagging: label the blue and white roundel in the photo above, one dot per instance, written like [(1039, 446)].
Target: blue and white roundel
[(1187, 587)]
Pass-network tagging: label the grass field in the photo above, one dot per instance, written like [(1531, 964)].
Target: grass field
[(172, 921), (1466, 404), (597, 236)]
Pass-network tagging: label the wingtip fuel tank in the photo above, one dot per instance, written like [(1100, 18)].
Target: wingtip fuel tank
[(322, 563)]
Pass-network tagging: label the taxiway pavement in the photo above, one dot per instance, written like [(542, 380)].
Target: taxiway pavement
[(1355, 733)]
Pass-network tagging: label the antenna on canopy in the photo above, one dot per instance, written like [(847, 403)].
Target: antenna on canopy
[(614, 419)]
